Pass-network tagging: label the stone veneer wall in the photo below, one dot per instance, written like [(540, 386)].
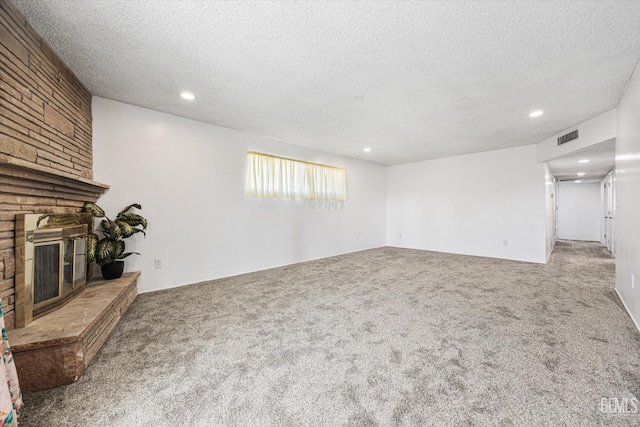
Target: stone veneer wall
[(46, 162)]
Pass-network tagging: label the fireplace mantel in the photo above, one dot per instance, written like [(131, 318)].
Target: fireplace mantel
[(24, 178)]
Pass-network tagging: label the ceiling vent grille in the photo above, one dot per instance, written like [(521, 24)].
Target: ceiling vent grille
[(568, 137)]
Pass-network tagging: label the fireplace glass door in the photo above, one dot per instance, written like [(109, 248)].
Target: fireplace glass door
[(80, 260), (46, 274), (67, 266), (59, 268)]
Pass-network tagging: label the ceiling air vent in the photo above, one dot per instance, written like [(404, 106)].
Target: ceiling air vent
[(568, 137)]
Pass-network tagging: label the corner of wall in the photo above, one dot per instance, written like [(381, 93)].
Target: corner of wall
[(627, 182)]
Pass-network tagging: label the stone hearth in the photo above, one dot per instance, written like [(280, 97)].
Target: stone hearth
[(57, 348)]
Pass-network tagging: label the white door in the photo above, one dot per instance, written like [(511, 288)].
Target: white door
[(609, 211), (612, 213), (555, 210)]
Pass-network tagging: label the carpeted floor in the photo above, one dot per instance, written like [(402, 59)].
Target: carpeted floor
[(381, 337)]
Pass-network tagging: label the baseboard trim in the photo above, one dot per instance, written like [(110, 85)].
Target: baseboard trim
[(174, 286), (628, 312)]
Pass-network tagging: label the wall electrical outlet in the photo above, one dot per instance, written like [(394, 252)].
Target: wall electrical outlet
[(399, 234), (157, 263), (357, 237), (505, 243)]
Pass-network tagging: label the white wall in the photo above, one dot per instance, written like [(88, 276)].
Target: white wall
[(470, 204), (594, 131), (579, 211), (550, 209), (627, 183), (189, 177)]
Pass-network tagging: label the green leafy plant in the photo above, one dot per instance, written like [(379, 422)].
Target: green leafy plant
[(111, 248)]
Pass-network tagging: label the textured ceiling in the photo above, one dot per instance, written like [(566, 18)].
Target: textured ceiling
[(601, 161), (437, 78)]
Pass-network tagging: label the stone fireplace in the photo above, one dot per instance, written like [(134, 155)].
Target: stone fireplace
[(46, 173), (46, 157), (39, 191)]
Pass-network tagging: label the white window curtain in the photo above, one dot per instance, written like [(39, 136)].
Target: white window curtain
[(273, 176)]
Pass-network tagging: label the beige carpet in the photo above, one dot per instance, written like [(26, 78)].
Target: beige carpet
[(381, 337)]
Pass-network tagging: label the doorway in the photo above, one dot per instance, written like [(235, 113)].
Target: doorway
[(579, 211)]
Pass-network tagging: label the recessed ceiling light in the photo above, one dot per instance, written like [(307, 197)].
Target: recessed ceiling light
[(188, 96), (366, 150), (580, 174), (578, 180), (583, 161), (536, 113)]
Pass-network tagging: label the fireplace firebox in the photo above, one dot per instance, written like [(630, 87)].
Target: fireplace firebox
[(51, 265)]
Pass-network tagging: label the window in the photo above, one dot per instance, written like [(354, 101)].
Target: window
[(273, 176)]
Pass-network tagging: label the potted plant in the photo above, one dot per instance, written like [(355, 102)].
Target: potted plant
[(109, 251)]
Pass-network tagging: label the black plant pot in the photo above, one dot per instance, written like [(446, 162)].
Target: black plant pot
[(113, 270)]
